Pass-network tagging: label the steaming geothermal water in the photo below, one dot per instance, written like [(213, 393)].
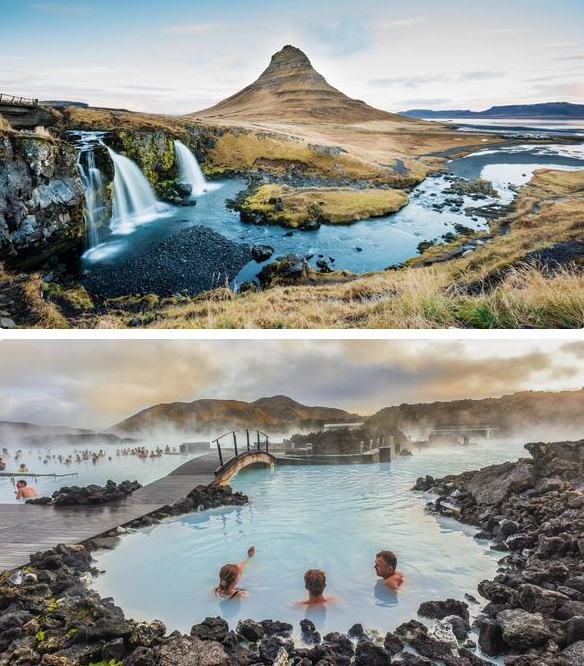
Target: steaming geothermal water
[(190, 171), (367, 245), (300, 517), (119, 468)]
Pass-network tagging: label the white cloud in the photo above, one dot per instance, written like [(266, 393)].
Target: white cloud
[(404, 23)]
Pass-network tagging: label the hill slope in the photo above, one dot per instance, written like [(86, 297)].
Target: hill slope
[(210, 416), (291, 89), (528, 411), (549, 110)]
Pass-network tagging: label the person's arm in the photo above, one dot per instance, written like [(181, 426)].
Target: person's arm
[(19, 494), (241, 565), (394, 581)]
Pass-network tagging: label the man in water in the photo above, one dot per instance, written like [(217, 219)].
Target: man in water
[(386, 568), (315, 583), (23, 491)]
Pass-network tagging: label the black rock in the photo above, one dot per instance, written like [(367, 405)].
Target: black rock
[(261, 252), (369, 654), (211, 629), (440, 609)]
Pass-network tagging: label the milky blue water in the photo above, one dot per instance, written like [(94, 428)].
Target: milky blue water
[(331, 517), (368, 245), (119, 468)]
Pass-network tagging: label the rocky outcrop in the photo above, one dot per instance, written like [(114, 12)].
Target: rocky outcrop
[(41, 195), (533, 510), (91, 494)]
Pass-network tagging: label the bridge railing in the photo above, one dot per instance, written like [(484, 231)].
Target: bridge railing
[(18, 101), (250, 440)]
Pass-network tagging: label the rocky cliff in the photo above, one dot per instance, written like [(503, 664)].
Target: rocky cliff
[(41, 195)]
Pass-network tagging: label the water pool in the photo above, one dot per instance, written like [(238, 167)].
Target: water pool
[(119, 468), (300, 517), (368, 245)]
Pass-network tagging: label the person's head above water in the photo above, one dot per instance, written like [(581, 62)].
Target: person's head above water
[(385, 563), (228, 577), (21, 484), (315, 582)]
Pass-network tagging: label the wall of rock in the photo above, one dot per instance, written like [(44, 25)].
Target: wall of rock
[(41, 195)]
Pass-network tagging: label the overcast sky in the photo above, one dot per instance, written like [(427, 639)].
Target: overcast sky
[(179, 56), (96, 383)]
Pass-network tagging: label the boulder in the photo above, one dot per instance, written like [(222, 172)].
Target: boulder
[(522, 630), (211, 629), (535, 599), (190, 651), (441, 609), (261, 252), (574, 654), (495, 483), (369, 654)]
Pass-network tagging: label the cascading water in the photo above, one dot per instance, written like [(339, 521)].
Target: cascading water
[(190, 171), (95, 210), (134, 200)]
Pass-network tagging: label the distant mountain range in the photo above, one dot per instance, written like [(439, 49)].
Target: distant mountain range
[(548, 110), (276, 414), (546, 414), (291, 89)]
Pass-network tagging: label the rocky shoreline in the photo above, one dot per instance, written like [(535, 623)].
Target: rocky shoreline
[(533, 510)]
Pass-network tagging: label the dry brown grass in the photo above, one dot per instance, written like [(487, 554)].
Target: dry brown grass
[(4, 124), (44, 313)]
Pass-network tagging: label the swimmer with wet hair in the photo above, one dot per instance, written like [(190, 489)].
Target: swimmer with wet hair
[(386, 568), (229, 576), (315, 584)]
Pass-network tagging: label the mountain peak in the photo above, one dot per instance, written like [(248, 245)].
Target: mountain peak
[(291, 89), (289, 57)]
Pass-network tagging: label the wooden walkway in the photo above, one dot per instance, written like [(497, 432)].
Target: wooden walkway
[(26, 528)]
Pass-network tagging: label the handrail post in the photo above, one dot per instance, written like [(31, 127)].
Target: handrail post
[(219, 451), (247, 436), (235, 443), (267, 444), (258, 434)]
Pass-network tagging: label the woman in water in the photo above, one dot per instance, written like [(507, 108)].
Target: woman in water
[(229, 576)]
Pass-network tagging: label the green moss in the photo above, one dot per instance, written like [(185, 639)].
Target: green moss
[(40, 635), (76, 297)]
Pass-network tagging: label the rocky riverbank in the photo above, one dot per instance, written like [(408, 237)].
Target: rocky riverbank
[(533, 511), (190, 261)]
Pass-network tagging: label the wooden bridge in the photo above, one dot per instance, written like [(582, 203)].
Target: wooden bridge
[(26, 528), (25, 112)]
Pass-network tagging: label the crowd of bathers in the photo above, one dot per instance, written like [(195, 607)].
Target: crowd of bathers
[(45, 456), (314, 579)]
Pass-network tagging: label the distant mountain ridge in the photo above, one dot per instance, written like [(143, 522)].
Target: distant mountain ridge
[(527, 411), (209, 416), (291, 89), (549, 110)]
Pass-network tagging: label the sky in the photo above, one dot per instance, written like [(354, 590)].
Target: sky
[(97, 383), (181, 56)]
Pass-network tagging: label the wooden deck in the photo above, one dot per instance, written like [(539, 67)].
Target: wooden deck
[(26, 528)]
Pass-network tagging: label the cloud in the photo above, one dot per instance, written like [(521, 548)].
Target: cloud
[(344, 36), (61, 9), (96, 383), (570, 89), (480, 76), (572, 57), (495, 32), (404, 23), (192, 27), (417, 81)]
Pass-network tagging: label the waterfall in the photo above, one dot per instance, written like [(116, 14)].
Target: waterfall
[(95, 209), (190, 171), (134, 200)]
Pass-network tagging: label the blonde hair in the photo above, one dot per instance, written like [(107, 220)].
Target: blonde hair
[(227, 577)]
